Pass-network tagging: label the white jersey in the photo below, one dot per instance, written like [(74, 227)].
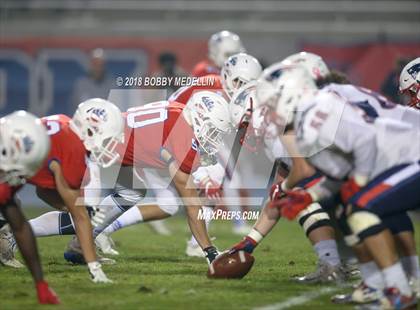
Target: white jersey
[(341, 136), (375, 104), (274, 148)]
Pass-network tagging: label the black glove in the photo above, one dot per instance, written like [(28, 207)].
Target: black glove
[(211, 253)]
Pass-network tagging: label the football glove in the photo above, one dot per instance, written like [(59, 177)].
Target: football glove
[(293, 203), (212, 189), (45, 294), (349, 189), (97, 274), (210, 253), (276, 192), (98, 216), (247, 244)]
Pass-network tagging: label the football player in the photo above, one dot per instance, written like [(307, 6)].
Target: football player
[(24, 145), (221, 46), (168, 137), (94, 128), (372, 161), (294, 172), (410, 82)]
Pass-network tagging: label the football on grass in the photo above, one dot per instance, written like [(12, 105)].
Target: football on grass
[(231, 266)]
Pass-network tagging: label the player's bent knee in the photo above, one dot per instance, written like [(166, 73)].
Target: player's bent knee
[(313, 217), (169, 209), (365, 224)]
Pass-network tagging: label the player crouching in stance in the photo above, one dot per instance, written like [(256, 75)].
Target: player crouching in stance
[(166, 137), (373, 161), (59, 182), (24, 145)]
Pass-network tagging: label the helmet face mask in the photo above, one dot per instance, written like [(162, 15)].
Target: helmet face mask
[(99, 125), (210, 120), (410, 82)]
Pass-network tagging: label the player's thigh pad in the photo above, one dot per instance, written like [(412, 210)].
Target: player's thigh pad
[(392, 192), (313, 217)]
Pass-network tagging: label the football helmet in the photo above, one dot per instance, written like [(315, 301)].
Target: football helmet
[(222, 45), (24, 145), (410, 82), (210, 119), (311, 62), (238, 70), (280, 88), (100, 125)]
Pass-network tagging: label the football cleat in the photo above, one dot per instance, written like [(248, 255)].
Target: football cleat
[(391, 299), (74, 254), (415, 286), (8, 248), (105, 244), (325, 273), (194, 250), (362, 294), (159, 227)]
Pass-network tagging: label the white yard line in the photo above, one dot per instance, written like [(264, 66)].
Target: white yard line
[(299, 300)]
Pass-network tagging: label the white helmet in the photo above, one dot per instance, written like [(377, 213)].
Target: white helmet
[(222, 45), (100, 125), (238, 70), (210, 119), (311, 62), (281, 88), (242, 100), (410, 82), (24, 145)]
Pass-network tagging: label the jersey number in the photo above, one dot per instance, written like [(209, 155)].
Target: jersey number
[(152, 113), (53, 126)]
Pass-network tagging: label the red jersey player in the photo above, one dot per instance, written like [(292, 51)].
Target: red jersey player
[(24, 145), (221, 45), (169, 136)]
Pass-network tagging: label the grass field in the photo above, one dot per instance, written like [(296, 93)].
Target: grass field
[(153, 273)]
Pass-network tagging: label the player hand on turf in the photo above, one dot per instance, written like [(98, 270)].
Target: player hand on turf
[(97, 274), (98, 216), (46, 295), (247, 244), (351, 187), (293, 203), (211, 253)]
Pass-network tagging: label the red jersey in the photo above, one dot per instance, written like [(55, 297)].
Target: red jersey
[(210, 82), (205, 67), (67, 149), (155, 127), (7, 192)]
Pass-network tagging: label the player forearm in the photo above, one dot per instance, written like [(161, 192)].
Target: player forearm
[(198, 226), (84, 232), (24, 238), (267, 220), (299, 171)]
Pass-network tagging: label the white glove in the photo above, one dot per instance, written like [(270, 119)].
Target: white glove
[(98, 217), (97, 274)]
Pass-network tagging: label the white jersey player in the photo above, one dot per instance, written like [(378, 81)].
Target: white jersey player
[(373, 161)]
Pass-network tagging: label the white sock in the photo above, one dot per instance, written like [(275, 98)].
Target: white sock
[(411, 266), (372, 275), (395, 277), (130, 217), (327, 251), (47, 224), (112, 212), (207, 211)]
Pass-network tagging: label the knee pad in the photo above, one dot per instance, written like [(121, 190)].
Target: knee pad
[(313, 217), (170, 209), (365, 224), (399, 223), (126, 198), (65, 222)]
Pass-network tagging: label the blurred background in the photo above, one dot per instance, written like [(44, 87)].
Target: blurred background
[(48, 61)]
